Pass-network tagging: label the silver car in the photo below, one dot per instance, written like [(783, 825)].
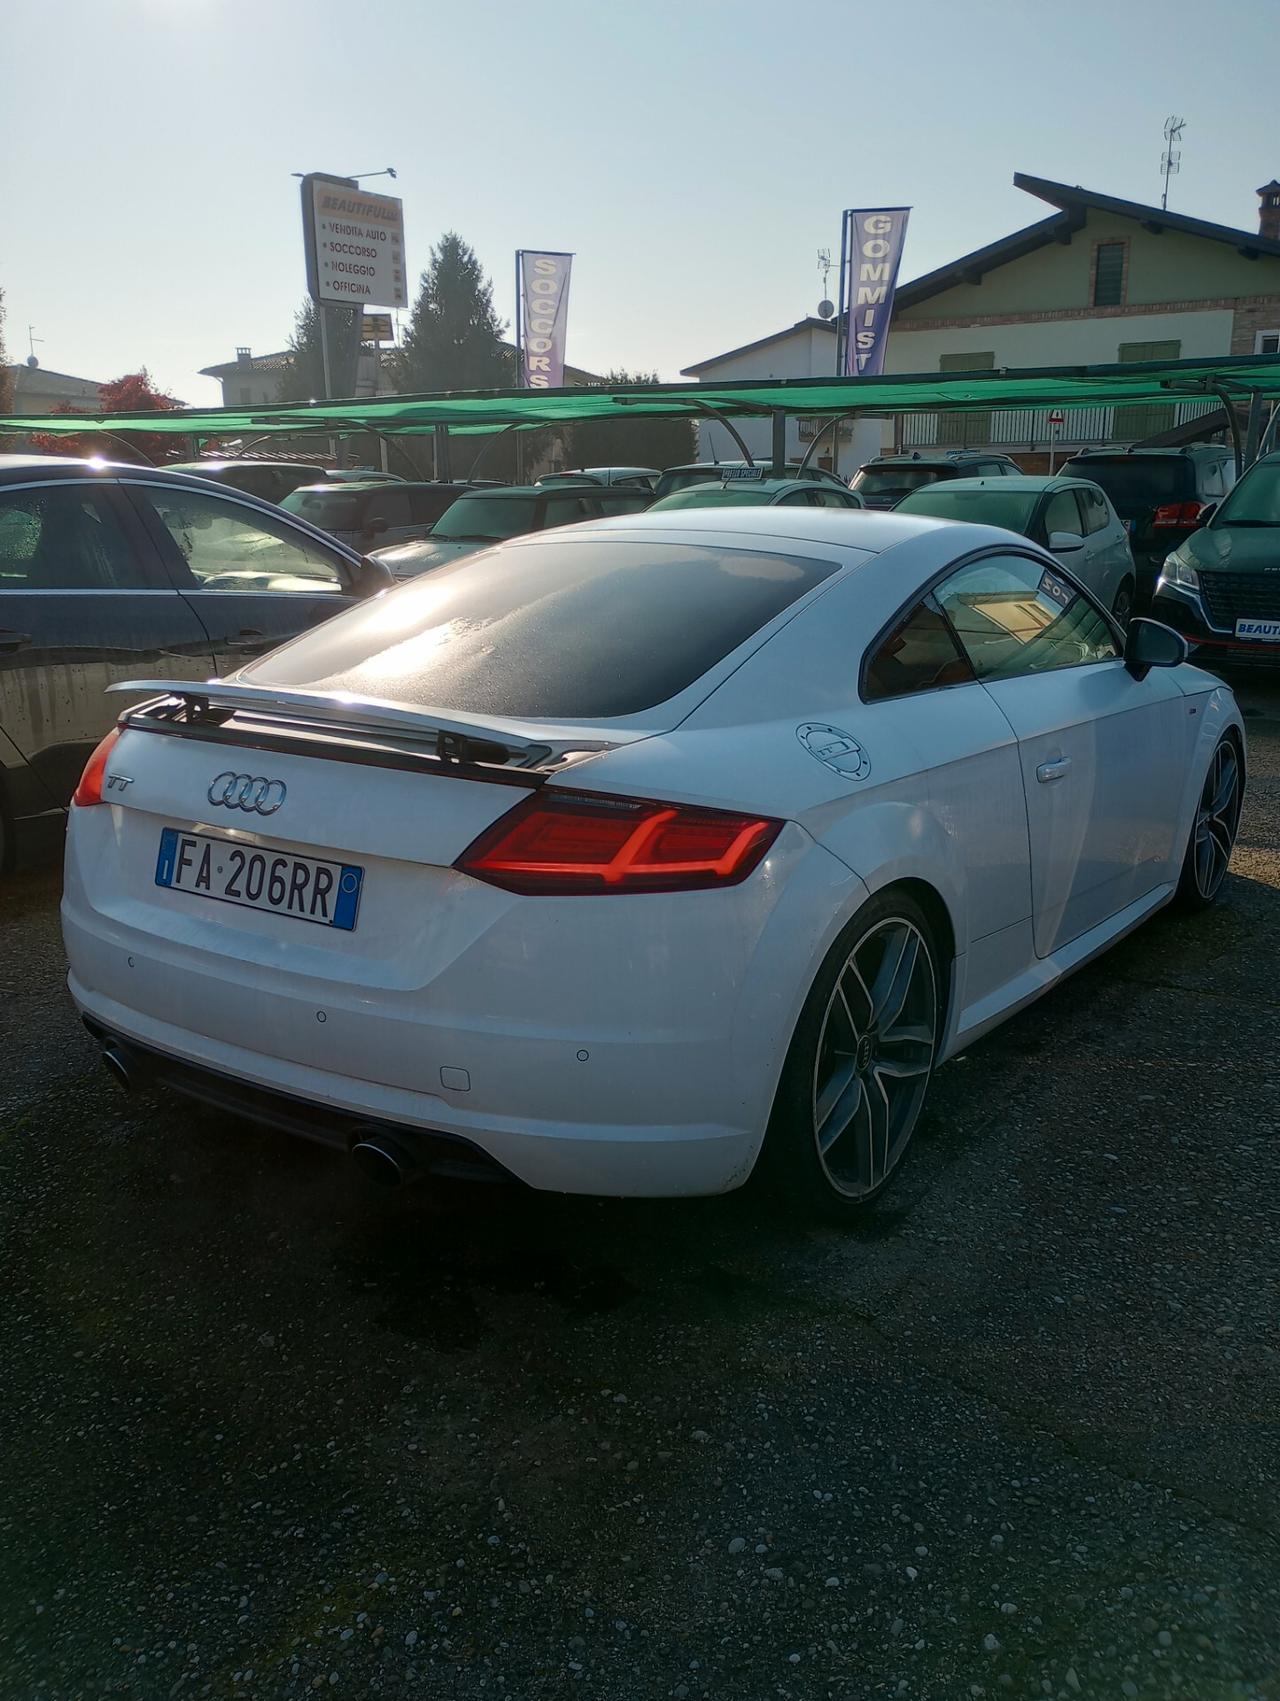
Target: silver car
[(1071, 517)]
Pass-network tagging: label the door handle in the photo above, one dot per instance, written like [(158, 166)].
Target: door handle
[(1047, 772), (14, 640), (248, 638)]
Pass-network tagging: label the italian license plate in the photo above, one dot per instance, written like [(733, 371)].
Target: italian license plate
[(303, 887), (1260, 631)]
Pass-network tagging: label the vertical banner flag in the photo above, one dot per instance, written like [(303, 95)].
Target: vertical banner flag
[(873, 248), (544, 312)]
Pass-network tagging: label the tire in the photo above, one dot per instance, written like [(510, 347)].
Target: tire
[(1213, 832), (1122, 607), (886, 955)]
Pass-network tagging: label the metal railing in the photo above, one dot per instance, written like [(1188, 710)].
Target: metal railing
[(1029, 428)]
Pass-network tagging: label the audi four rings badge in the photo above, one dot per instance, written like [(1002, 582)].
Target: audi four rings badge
[(248, 792)]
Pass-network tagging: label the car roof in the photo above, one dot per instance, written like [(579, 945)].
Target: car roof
[(23, 468), (1030, 482), (1120, 453), (541, 490), (241, 461), (350, 486), (778, 486), (776, 528), (942, 459)]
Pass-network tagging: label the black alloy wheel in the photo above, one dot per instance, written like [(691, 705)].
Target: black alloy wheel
[(1213, 834), (858, 1071)]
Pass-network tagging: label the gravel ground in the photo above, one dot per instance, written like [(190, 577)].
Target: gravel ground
[(264, 1434)]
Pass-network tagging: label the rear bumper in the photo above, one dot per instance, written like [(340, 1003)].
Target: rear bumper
[(624, 1046), (620, 1159)]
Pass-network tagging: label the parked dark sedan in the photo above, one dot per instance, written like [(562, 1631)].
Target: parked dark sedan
[(114, 572)]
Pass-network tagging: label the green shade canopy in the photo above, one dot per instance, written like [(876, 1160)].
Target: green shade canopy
[(469, 411)]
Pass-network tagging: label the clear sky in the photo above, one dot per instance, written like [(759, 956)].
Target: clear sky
[(694, 154)]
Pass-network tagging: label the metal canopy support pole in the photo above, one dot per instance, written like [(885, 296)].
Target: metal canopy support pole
[(835, 422), (1268, 442), (779, 443), (1253, 429), (487, 445), (443, 468), (706, 407), (1233, 420)]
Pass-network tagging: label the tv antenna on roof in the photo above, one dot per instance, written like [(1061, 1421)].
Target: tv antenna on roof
[(1171, 158), (826, 307)]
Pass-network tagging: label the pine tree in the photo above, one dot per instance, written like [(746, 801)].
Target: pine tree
[(302, 380), (454, 337)]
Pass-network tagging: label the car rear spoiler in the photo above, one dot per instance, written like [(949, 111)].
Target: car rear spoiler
[(178, 704)]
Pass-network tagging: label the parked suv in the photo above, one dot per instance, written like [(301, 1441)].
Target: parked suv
[(373, 514), (884, 481), (272, 480), (109, 573), (1221, 587), (1159, 494)]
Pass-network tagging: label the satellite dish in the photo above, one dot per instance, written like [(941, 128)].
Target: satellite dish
[(32, 362), (826, 309)]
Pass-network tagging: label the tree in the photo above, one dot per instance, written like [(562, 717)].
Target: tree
[(132, 393), (302, 379), (454, 337), (638, 442)]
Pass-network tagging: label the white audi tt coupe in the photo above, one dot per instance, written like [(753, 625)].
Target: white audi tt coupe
[(622, 858)]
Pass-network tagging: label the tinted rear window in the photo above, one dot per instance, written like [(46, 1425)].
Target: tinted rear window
[(1011, 509), (896, 481), (1136, 484), (488, 518), (552, 630)]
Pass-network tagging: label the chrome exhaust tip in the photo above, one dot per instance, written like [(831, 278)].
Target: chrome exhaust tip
[(116, 1063), (384, 1158)]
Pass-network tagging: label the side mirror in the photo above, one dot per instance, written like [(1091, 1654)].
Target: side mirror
[(371, 578), (1062, 543), (1206, 514), (1149, 644)]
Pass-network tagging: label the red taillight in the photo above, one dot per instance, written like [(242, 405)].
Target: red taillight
[(90, 788), (577, 843), (1177, 514)]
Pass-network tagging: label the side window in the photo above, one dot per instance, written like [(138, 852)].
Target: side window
[(1093, 508), (567, 510), (66, 537), (800, 499), (1014, 616), (1062, 515), (388, 504), (1211, 479), (920, 654), (229, 547)]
